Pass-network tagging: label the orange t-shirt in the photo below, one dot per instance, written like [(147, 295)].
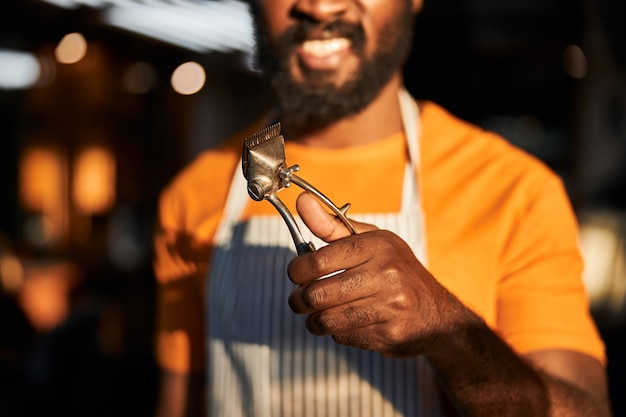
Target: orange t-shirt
[(500, 233)]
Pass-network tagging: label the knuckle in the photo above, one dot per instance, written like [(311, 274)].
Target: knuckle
[(355, 247), (323, 323), (392, 273), (319, 263), (313, 296), (395, 336), (291, 270), (384, 237), (401, 301), (294, 304), (355, 340), (310, 265), (340, 339)]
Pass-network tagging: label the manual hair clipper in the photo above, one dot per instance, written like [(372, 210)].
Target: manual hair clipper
[(264, 167)]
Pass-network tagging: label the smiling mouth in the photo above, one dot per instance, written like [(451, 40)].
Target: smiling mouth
[(323, 48)]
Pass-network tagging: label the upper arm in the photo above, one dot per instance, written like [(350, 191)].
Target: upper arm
[(180, 395), (542, 303), (180, 326), (543, 309), (180, 266), (180, 262), (172, 399)]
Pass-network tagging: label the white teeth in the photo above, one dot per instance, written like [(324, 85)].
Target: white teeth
[(326, 47)]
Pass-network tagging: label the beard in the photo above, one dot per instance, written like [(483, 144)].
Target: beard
[(316, 102)]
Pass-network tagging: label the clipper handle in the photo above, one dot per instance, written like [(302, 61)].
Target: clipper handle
[(302, 246)]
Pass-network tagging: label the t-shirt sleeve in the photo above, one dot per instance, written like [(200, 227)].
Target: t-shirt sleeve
[(542, 303)]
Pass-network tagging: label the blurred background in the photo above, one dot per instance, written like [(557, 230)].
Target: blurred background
[(102, 102)]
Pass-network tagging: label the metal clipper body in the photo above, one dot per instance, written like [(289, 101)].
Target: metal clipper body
[(262, 160), (264, 167)]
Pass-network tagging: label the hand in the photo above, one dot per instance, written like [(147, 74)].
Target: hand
[(380, 297)]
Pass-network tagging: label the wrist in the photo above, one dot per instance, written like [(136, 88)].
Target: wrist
[(458, 326)]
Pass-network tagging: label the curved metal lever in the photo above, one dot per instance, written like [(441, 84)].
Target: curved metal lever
[(302, 246), (288, 176)]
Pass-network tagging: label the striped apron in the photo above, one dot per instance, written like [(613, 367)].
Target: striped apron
[(262, 362)]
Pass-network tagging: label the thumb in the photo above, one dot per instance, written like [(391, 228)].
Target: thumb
[(323, 224)]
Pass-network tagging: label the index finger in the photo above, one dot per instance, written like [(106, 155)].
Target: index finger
[(342, 254)]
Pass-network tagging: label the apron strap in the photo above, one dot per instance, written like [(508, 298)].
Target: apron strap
[(412, 129), (233, 209)]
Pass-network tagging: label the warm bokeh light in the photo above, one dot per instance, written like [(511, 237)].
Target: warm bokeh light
[(42, 230), (188, 78), (71, 49), (94, 180), (42, 175), (11, 273), (575, 62), (43, 190), (140, 77), (603, 245), (44, 296)]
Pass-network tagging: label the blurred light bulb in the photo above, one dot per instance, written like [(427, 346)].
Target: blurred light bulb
[(575, 62), (71, 49), (139, 78), (11, 273), (18, 69), (94, 180), (188, 78)]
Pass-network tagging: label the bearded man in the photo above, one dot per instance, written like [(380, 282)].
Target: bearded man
[(460, 293)]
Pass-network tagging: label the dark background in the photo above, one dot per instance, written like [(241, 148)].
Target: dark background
[(496, 63)]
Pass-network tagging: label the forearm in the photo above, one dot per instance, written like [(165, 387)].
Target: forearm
[(484, 377), (567, 399)]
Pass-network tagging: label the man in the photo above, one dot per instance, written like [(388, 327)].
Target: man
[(460, 292)]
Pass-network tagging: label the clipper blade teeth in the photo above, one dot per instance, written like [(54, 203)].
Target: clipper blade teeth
[(255, 140), (263, 136)]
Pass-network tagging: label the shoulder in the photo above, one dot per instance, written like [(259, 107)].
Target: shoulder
[(492, 211), (206, 172), (457, 155)]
